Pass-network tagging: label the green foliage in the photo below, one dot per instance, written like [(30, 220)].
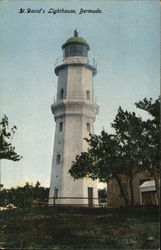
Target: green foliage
[(152, 130), (84, 165), (114, 155), (101, 159), (152, 138), (130, 133), (23, 196), (7, 151), (152, 107), (131, 150)]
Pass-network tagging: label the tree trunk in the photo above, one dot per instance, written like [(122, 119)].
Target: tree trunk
[(156, 178), (131, 189), (122, 191)]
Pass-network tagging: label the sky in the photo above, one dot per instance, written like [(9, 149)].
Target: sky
[(124, 39)]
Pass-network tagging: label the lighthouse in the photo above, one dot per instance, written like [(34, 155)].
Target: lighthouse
[(74, 112)]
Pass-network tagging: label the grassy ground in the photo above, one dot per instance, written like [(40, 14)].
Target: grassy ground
[(80, 228)]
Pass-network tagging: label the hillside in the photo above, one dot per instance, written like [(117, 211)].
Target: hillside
[(80, 228)]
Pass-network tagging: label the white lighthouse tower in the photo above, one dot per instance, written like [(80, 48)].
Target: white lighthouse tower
[(74, 112)]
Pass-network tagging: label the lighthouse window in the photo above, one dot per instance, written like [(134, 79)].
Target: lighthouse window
[(67, 51), (79, 49), (60, 126), (88, 94), (73, 49), (61, 93), (58, 159), (88, 127)]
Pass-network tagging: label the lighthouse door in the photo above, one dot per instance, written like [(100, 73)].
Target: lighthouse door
[(90, 197)]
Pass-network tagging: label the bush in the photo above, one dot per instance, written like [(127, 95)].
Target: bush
[(23, 196)]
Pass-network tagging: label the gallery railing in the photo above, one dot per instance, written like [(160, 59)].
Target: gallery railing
[(76, 95), (59, 61)]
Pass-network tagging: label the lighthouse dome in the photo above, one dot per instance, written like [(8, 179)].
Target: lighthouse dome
[(75, 46)]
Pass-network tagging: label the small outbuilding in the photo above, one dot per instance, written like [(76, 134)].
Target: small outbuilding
[(148, 195)]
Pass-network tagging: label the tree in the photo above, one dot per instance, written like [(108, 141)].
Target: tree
[(113, 156), (125, 153), (23, 196), (152, 138), (7, 151), (130, 131), (103, 161)]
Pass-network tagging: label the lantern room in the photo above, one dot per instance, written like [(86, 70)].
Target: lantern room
[(75, 46)]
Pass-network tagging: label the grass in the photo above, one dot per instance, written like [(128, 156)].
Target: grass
[(80, 228)]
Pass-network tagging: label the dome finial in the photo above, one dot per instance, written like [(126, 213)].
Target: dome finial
[(75, 33)]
